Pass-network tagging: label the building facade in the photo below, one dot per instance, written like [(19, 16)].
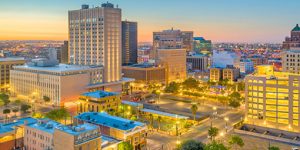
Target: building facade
[(198, 61), (291, 61), (60, 83), (63, 53), (99, 101), (174, 60), (129, 42), (293, 40), (6, 64), (95, 39), (145, 73), (232, 74), (200, 45), (171, 39), (215, 74), (246, 66), (119, 128), (272, 99)]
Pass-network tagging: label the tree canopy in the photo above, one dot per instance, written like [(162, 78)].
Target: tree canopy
[(215, 146), (57, 114), (173, 87), (125, 146), (191, 145)]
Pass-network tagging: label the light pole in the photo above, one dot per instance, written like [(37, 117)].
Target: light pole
[(213, 115), (226, 122)]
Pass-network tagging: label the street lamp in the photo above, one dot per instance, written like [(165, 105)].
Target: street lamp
[(226, 121), (212, 116)]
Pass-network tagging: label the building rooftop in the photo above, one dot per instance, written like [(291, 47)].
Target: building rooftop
[(296, 28), (10, 126), (134, 104), (78, 129), (143, 65), (11, 59), (58, 68), (108, 120), (164, 113), (100, 94), (107, 141), (45, 125)]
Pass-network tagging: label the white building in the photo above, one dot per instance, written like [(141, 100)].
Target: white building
[(61, 83), (246, 66), (95, 39), (291, 61)]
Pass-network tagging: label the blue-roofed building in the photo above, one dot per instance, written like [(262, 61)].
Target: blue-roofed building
[(13, 130), (49, 134), (99, 101), (122, 129), (201, 45)]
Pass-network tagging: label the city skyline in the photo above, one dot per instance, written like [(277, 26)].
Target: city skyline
[(224, 21)]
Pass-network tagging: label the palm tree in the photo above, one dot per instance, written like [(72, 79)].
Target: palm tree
[(159, 118), (235, 141), (6, 111), (213, 132), (194, 109), (15, 110)]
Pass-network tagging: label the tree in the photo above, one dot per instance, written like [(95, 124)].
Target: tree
[(215, 146), (274, 148), (190, 83), (159, 118), (4, 98), (190, 145), (46, 99), (235, 140), (235, 99), (6, 111), (125, 146), (151, 120), (37, 115), (15, 110), (213, 132), (58, 114), (194, 109), (25, 108), (18, 102), (173, 87)]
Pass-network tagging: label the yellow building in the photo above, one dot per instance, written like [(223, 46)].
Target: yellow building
[(99, 101), (215, 74), (174, 60), (6, 65), (272, 98), (119, 128), (231, 74)]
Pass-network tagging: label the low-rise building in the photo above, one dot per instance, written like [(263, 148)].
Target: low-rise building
[(174, 60), (61, 83), (122, 129), (12, 134), (6, 65), (48, 134), (215, 74), (231, 73), (99, 101), (145, 73), (291, 61), (246, 66), (198, 61)]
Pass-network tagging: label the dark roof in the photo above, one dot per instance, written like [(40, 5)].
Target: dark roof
[(297, 28)]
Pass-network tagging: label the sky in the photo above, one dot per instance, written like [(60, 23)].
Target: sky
[(217, 20)]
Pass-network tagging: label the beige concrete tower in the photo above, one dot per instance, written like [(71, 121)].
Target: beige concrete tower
[(95, 39)]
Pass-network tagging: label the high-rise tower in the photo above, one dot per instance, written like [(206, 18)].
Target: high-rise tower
[(95, 39), (129, 42)]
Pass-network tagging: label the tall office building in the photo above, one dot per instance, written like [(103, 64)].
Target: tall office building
[(129, 42), (272, 99), (63, 53), (95, 39), (293, 40), (171, 39)]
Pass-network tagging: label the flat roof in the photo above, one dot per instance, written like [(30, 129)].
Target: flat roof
[(108, 120), (45, 125), (164, 113), (135, 104), (107, 141), (81, 128), (11, 59), (100, 94), (58, 68), (7, 127), (144, 65)]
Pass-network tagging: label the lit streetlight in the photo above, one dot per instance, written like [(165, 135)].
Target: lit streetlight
[(226, 121)]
